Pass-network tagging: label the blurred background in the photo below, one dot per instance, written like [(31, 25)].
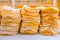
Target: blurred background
[(32, 3), (19, 3)]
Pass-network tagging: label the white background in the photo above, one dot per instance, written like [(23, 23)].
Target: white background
[(30, 37)]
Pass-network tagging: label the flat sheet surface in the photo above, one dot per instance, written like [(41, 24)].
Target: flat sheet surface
[(30, 37)]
